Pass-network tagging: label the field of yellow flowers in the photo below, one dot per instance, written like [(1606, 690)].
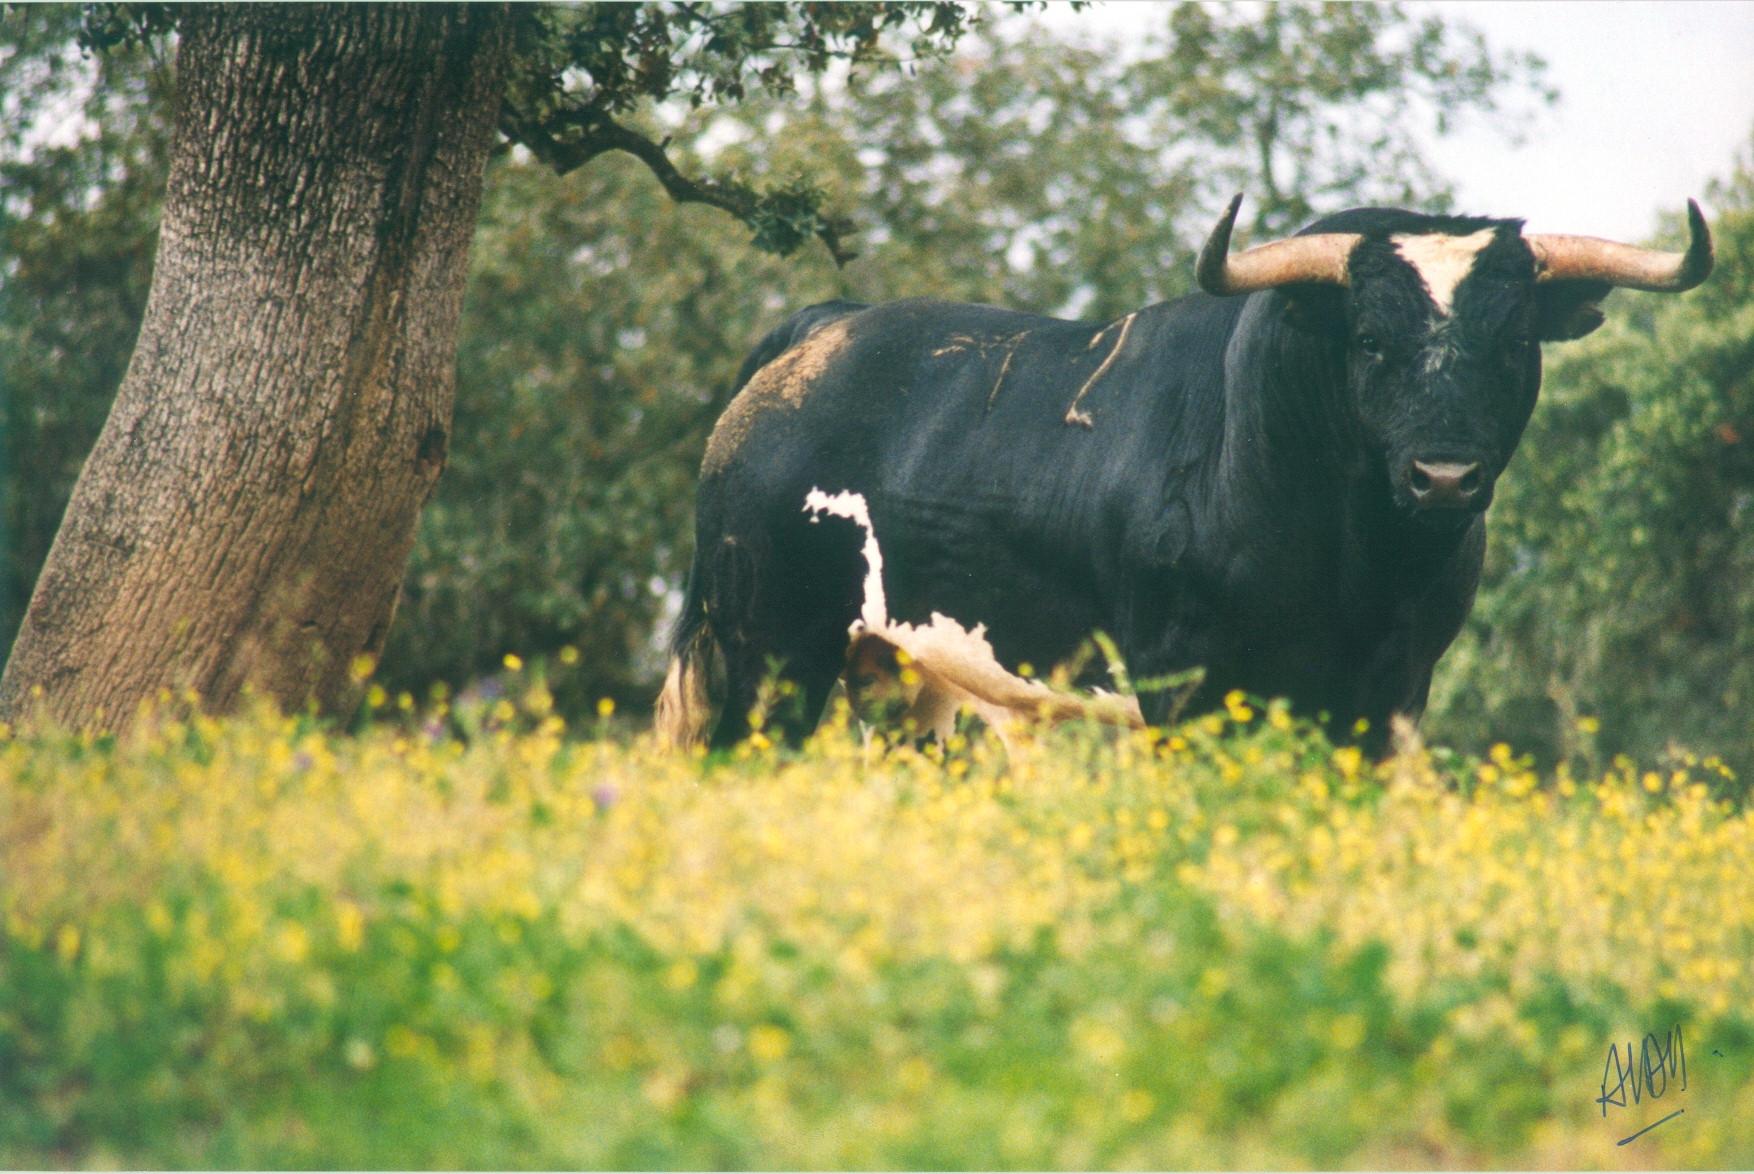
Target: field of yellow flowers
[(498, 942)]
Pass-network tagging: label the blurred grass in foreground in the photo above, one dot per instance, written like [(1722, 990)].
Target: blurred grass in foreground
[(257, 943)]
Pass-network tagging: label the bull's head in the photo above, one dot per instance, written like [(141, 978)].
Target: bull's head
[(1442, 318)]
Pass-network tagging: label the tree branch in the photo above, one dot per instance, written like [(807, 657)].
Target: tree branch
[(599, 134)]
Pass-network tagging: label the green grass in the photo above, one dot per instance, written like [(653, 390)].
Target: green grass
[(255, 943)]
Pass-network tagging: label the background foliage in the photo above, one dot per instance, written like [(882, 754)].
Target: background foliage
[(78, 230), (604, 323), (1620, 582)]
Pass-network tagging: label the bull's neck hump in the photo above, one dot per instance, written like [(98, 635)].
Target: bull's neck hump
[(1289, 443)]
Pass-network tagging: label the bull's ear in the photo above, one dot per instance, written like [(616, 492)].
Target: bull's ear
[(1565, 310)]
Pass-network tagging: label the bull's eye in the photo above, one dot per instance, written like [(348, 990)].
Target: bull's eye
[(1369, 346)]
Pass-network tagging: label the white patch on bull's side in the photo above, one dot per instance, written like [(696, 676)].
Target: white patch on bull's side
[(1442, 261), (874, 612), (957, 665)]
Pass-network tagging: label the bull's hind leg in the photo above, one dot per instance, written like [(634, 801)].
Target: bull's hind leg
[(780, 611), (787, 690)]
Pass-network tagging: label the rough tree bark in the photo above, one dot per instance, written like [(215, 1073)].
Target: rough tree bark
[(247, 513)]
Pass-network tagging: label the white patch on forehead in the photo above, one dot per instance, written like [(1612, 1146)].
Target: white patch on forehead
[(1442, 261)]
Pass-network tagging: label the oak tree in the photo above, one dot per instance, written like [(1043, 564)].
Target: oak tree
[(246, 515)]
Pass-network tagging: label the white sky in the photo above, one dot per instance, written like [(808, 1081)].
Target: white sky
[(1656, 98)]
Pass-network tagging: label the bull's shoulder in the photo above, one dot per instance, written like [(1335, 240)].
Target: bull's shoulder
[(914, 344)]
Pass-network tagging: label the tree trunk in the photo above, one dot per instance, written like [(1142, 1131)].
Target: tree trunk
[(247, 513)]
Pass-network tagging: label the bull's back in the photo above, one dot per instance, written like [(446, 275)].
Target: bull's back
[(904, 397)]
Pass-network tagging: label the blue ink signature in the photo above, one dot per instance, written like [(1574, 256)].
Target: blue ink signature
[(1651, 1072)]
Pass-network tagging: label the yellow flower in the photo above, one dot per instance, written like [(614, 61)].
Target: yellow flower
[(349, 926), (663, 1089), (1098, 1041), (401, 1040), (620, 1053), (1237, 706), (1347, 1031), (291, 943), (513, 662), (768, 1042), (915, 1074)]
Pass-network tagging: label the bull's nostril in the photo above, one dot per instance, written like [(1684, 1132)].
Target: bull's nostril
[(1446, 484)]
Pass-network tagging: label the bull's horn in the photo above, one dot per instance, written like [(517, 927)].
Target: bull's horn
[(1588, 258), (1320, 258)]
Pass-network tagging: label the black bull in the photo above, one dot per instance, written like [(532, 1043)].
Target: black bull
[(1281, 480)]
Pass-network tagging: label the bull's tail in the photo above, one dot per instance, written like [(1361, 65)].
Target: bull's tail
[(685, 709)]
